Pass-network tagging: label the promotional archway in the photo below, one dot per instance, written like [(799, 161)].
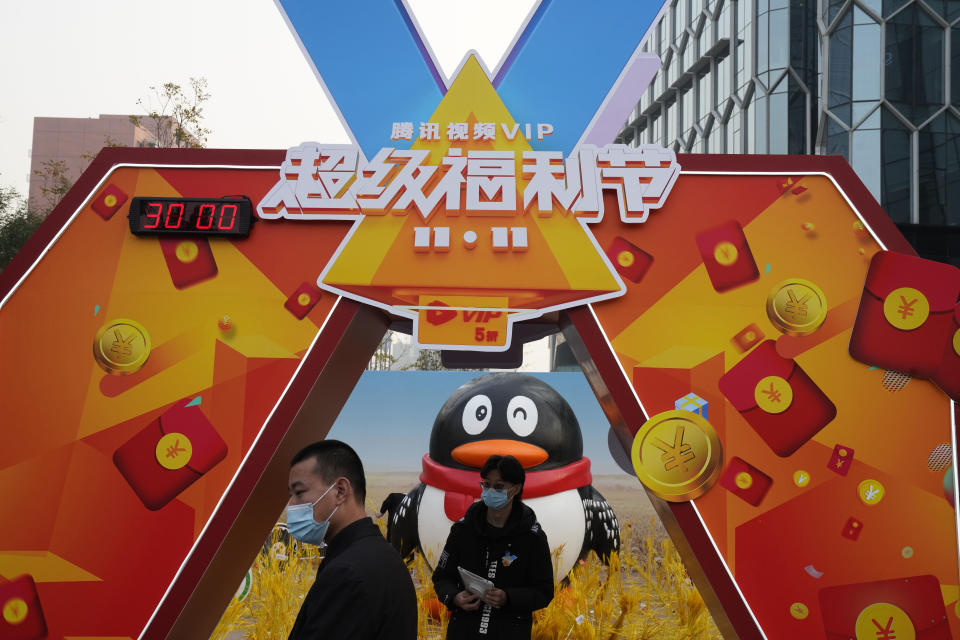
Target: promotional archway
[(763, 341)]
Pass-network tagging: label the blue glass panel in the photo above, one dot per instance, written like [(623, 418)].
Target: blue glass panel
[(895, 161), (889, 6), (939, 171), (914, 64), (948, 9), (838, 140), (840, 73)]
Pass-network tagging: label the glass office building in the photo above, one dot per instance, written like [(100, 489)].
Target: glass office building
[(876, 81)]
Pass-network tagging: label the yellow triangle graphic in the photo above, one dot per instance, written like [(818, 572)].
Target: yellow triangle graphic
[(561, 265)]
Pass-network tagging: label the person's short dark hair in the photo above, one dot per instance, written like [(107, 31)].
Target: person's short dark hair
[(335, 459), (509, 467)]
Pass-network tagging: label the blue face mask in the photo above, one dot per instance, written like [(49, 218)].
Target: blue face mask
[(303, 527), (493, 498)]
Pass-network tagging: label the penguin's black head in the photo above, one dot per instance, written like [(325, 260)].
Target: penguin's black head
[(506, 414)]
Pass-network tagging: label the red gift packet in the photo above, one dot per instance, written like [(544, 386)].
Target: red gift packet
[(21, 616), (169, 454), (785, 431), (727, 256)]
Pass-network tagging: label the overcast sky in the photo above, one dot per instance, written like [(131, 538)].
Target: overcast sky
[(81, 59)]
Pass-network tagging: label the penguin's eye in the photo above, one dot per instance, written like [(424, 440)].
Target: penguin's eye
[(522, 415), (476, 414)]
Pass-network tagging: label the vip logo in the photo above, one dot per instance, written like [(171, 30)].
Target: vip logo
[(436, 316), (471, 211)]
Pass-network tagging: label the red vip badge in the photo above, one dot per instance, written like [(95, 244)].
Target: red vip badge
[(852, 529), (21, 617), (169, 455), (885, 610), (746, 481), (108, 202), (748, 337), (629, 260), (302, 300), (727, 256), (841, 460), (436, 317), (906, 316), (189, 260), (777, 398)]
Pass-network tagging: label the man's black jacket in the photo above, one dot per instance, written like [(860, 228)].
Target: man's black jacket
[(516, 558), (362, 591)]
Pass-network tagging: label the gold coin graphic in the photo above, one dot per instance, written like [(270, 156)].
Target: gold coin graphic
[(801, 478), (625, 258), (725, 253), (187, 251), (906, 308), (799, 610), (797, 307), (870, 491), (884, 620), (121, 346), (677, 455), (303, 299), (110, 200), (773, 394), (956, 342), (15, 610), (743, 480), (174, 451), (907, 552)]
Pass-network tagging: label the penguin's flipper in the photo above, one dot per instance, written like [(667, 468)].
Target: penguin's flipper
[(403, 523), (602, 531)]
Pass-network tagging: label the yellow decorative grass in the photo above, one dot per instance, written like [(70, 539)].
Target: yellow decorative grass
[(643, 593)]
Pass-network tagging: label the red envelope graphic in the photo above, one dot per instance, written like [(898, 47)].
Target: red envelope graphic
[(777, 398), (886, 609), (302, 300), (727, 256), (628, 259), (748, 337), (21, 617), (947, 375), (746, 481), (841, 460), (169, 454), (108, 202), (906, 315), (189, 260), (852, 529)]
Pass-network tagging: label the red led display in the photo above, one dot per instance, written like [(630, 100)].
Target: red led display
[(161, 216)]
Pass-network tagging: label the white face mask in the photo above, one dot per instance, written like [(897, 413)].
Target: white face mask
[(303, 527)]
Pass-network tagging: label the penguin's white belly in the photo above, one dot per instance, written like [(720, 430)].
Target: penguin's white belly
[(563, 520), (560, 515), (433, 526)]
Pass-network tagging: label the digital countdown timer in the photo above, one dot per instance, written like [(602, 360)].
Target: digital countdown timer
[(194, 216)]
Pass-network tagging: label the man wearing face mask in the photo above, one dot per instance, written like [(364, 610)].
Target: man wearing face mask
[(498, 539), (362, 589)]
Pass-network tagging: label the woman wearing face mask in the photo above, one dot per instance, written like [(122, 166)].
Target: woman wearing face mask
[(498, 539)]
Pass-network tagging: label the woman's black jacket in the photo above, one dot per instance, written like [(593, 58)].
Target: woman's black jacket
[(516, 558)]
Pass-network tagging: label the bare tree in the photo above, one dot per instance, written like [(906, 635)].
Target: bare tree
[(175, 114), (56, 178), (17, 224)]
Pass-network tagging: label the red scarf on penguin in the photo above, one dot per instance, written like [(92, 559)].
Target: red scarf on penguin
[(462, 487)]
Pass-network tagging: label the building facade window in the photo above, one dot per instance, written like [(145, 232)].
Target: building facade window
[(875, 81)]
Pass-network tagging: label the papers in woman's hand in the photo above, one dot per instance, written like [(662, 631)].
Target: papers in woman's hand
[(474, 583)]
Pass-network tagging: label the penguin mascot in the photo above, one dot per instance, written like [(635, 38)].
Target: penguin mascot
[(507, 414)]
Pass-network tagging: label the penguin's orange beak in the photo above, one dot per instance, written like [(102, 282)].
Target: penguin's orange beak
[(474, 454)]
